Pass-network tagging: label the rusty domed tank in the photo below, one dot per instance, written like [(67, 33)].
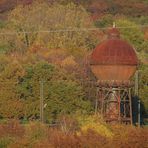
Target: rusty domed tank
[(113, 59)]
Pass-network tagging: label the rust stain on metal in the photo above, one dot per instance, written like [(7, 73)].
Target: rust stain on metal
[(114, 51), (114, 62), (114, 58), (113, 72)]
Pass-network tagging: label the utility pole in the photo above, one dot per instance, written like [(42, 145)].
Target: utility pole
[(137, 94), (42, 101), (96, 102), (139, 108), (136, 83), (96, 106)]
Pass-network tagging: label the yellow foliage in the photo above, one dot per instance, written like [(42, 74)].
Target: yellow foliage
[(69, 61), (99, 128), (39, 17), (96, 124)]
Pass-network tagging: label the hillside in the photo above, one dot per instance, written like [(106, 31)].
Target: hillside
[(134, 8), (48, 93)]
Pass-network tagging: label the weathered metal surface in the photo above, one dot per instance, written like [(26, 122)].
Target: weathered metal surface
[(113, 72), (113, 59), (114, 84), (113, 33), (114, 52), (115, 104), (114, 62)]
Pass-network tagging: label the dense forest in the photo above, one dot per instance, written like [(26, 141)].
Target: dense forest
[(46, 43)]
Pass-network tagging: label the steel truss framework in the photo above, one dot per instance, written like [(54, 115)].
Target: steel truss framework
[(113, 98), (115, 103)]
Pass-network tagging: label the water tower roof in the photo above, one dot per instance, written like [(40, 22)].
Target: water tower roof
[(114, 51)]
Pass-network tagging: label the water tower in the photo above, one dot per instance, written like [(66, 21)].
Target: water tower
[(114, 62)]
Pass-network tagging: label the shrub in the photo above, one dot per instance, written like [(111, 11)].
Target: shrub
[(4, 142), (35, 131), (40, 136), (129, 136), (12, 129), (96, 124)]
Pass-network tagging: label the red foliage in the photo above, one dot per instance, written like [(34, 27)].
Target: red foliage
[(99, 8), (129, 137), (12, 129), (124, 137)]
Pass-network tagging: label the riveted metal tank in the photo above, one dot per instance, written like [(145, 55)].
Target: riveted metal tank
[(114, 59)]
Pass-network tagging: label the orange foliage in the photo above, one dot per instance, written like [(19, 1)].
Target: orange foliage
[(12, 129), (54, 56), (40, 136)]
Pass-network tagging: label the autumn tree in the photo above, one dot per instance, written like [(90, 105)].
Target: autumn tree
[(62, 93), (34, 21), (143, 87), (10, 104), (131, 32)]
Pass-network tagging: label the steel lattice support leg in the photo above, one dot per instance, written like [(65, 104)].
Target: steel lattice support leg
[(115, 104)]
